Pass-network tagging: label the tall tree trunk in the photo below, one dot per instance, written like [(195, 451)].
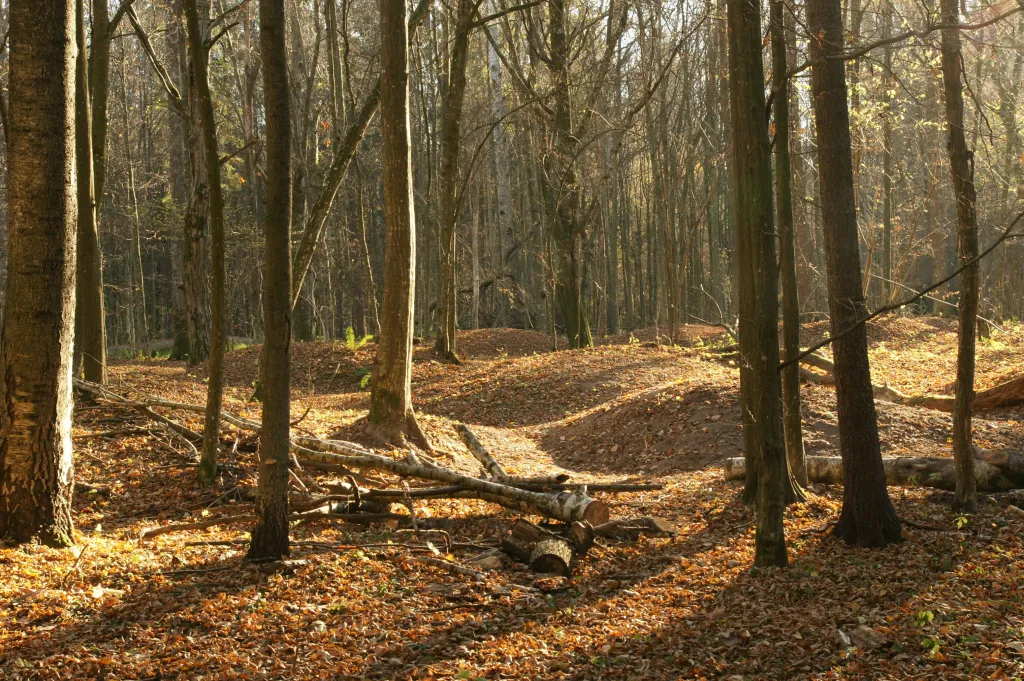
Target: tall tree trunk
[(961, 165), (563, 205), (215, 384), (90, 324), (197, 215), (758, 279), (887, 170), (138, 284), (36, 469), (177, 140), (391, 415), (270, 536), (868, 517), (787, 247), (448, 178)]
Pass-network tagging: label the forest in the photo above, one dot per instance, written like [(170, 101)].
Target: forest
[(511, 339)]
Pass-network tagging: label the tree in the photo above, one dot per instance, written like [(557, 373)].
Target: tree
[(961, 166), (199, 56), (758, 280), (451, 113), (787, 246), (90, 325), (391, 415), (270, 536), (868, 517), (36, 470)]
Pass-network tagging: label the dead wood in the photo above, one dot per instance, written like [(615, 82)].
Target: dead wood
[(480, 453), (627, 528), (907, 471), (551, 556)]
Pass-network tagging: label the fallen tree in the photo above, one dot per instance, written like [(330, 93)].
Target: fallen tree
[(563, 504), (1007, 394), (996, 471)]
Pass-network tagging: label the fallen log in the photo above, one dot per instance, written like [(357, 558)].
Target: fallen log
[(902, 471), (882, 392), (551, 556), (1005, 394), (566, 506), (480, 453)]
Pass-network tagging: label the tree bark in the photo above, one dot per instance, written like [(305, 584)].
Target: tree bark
[(36, 469), (215, 384), (758, 280), (270, 535), (787, 246), (961, 165), (197, 214), (448, 178), (391, 415), (90, 323), (868, 517)]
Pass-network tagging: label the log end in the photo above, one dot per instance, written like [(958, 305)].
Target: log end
[(551, 556), (596, 513)]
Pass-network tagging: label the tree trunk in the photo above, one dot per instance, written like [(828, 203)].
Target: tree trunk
[(563, 202), (448, 178), (177, 140), (961, 165), (90, 323), (758, 280), (787, 247), (391, 415), (36, 469), (868, 517), (197, 216), (270, 536), (215, 385)]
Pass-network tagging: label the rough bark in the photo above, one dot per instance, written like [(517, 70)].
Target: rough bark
[(480, 453), (270, 535), (448, 177), (758, 280), (90, 324), (391, 415), (36, 470), (787, 247), (197, 215), (215, 384), (961, 165), (868, 517)]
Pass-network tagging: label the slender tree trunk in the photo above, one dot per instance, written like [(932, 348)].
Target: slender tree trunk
[(450, 140), (197, 216), (758, 279), (270, 536), (868, 517), (177, 140), (391, 415), (961, 165), (36, 469), (887, 170), (215, 384), (90, 324), (787, 248), (138, 285)]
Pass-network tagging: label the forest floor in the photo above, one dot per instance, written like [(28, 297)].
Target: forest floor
[(943, 604)]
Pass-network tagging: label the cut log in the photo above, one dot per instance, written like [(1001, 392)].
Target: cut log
[(480, 453), (514, 550), (551, 556), (904, 471), (1012, 465), (582, 535)]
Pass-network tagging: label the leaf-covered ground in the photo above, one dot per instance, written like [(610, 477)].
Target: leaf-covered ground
[(183, 606)]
